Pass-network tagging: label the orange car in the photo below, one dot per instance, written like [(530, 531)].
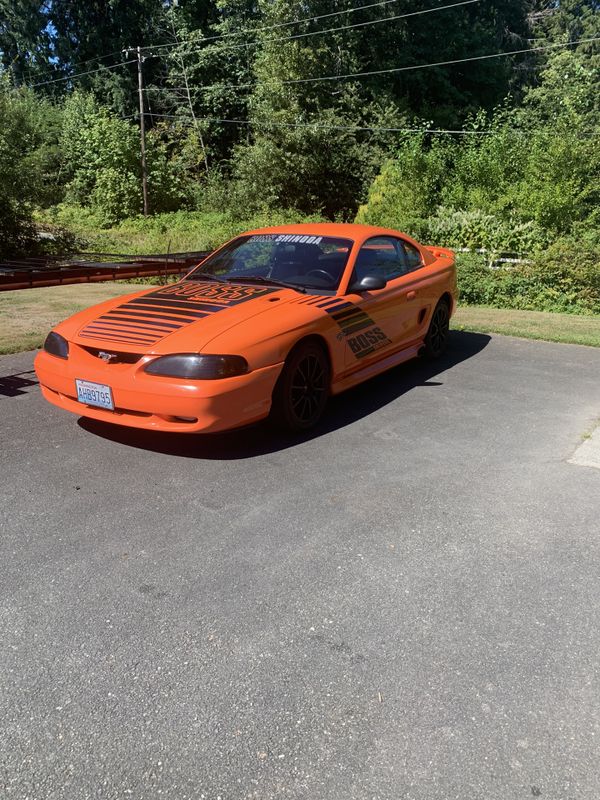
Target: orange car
[(270, 324)]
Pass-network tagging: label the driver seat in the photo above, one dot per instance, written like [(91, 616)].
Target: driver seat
[(294, 259)]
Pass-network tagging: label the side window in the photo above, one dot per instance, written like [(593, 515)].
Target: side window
[(381, 256), (413, 257)]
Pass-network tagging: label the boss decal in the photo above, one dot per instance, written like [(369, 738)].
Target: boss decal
[(208, 291), (361, 332), (367, 342)]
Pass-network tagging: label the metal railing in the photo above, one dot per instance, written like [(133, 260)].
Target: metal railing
[(29, 273)]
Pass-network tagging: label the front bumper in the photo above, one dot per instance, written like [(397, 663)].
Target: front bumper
[(156, 403)]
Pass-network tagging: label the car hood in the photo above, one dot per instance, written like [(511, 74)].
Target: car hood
[(182, 317)]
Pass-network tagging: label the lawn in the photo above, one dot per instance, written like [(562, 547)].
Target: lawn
[(27, 315), (567, 328)]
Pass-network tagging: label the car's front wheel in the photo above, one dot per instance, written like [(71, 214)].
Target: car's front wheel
[(436, 340), (301, 392)]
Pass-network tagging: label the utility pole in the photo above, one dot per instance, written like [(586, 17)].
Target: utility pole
[(142, 130)]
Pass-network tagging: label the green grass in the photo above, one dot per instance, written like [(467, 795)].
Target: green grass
[(27, 315), (566, 328), (179, 231)]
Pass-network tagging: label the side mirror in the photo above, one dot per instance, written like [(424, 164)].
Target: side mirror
[(367, 284)]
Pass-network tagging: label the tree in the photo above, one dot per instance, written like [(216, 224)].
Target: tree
[(24, 40), (27, 164)]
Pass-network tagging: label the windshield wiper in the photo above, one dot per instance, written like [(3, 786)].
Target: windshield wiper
[(205, 276), (269, 281)]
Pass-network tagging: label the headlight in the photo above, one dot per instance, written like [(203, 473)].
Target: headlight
[(197, 367), (56, 345)]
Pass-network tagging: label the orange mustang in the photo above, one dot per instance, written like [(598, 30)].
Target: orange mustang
[(270, 324)]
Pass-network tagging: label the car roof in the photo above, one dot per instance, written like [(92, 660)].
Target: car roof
[(347, 230)]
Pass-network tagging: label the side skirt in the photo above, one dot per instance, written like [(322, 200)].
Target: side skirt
[(376, 368)]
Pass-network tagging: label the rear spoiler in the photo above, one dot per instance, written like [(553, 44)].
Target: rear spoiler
[(440, 252)]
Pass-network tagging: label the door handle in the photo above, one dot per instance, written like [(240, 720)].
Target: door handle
[(411, 295)]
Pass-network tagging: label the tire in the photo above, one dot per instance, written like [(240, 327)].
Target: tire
[(302, 389), (436, 340)]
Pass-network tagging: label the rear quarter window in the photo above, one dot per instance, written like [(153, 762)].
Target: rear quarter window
[(414, 259)]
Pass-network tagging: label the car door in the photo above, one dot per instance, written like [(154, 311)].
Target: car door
[(377, 321), (418, 292)]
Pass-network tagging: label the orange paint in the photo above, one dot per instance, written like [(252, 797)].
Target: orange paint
[(362, 333)]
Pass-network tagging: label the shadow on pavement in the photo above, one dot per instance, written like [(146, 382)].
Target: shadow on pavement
[(17, 384), (342, 410)]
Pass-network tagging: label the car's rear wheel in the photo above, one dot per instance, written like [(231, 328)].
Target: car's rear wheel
[(301, 392), (436, 340)]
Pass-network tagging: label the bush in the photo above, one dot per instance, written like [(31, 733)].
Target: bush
[(102, 161), (26, 153), (406, 190), (565, 278), (503, 190), (478, 229), (315, 169), (17, 232), (177, 231)]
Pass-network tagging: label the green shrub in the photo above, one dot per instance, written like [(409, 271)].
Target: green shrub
[(27, 142), (501, 188), (102, 163), (177, 231), (478, 229), (406, 190), (564, 278)]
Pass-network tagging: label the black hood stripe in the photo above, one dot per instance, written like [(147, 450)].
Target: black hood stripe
[(150, 312), (113, 337), (138, 323), (145, 319), (182, 305), (136, 334), (104, 326), (139, 316)]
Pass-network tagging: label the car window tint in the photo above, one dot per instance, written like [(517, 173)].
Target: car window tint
[(412, 255), (381, 256)]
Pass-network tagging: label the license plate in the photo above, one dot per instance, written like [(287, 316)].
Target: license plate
[(95, 394)]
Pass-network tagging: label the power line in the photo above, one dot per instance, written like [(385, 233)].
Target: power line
[(353, 128), (81, 74), (265, 28), (237, 33), (278, 25), (204, 39), (96, 58), (392, 70), (336, 29)]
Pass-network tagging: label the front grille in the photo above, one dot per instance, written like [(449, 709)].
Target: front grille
[(119, 358)]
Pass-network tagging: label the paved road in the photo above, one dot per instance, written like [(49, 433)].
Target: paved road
[(405, 606)]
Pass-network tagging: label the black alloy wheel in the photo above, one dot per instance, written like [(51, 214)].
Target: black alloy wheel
[(436, 340), (301, 392)]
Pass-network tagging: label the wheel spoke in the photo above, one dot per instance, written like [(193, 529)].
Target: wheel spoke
[(308, 389)]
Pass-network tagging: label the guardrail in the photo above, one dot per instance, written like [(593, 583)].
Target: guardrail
[(30, 273)]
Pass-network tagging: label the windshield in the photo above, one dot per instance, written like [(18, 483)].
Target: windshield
[(309, 262)]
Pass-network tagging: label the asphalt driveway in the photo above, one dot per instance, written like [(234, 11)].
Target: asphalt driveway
[(403, 606)]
